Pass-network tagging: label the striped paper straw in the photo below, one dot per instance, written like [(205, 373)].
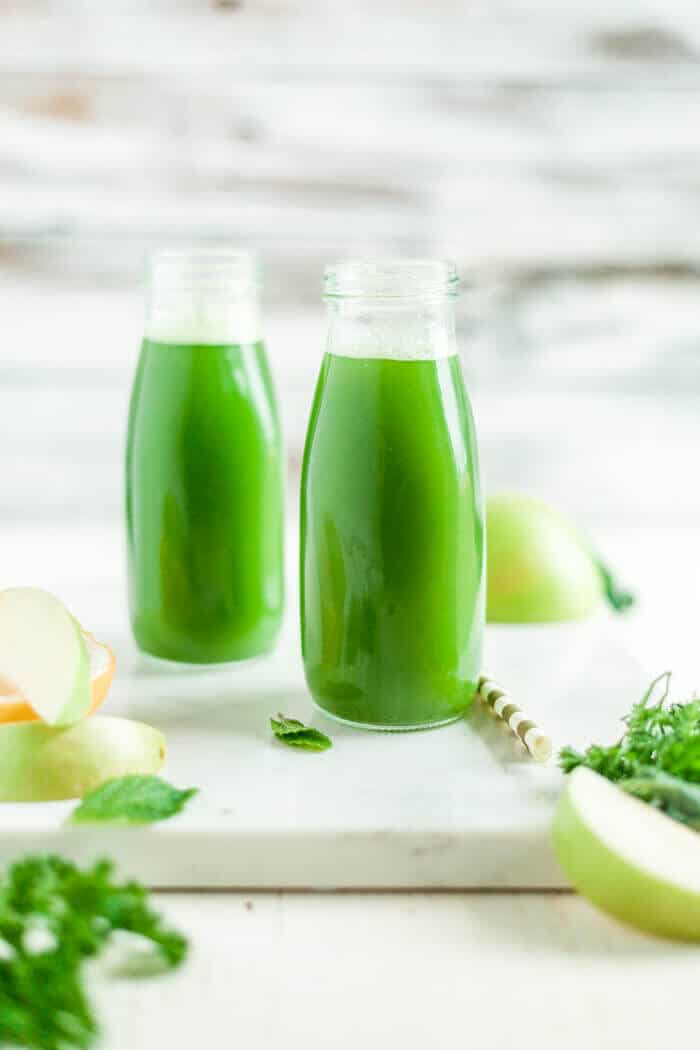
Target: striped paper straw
[(537, 743)]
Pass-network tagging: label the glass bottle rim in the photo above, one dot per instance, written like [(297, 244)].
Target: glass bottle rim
[(207, 268), (391, 280)]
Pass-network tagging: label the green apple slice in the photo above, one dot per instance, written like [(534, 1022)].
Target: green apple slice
[(43, 655), (40, 763), (628, 858)]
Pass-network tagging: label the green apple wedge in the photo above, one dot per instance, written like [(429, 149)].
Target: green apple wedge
[(40, 763), (44, 655), (628, 858), (539, 569)]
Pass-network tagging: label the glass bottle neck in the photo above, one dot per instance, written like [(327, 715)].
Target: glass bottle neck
[(406, 329), (203, 298)]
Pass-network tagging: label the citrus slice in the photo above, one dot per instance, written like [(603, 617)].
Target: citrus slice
[(628, 858)]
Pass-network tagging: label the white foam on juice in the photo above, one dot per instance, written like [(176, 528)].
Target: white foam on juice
[(204, 324), (413, 337)]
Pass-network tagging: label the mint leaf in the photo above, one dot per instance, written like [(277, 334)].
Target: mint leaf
[(295, 734), (132, 800)]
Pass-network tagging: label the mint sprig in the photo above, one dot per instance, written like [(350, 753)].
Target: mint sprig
[(295, 734), (132, 800)]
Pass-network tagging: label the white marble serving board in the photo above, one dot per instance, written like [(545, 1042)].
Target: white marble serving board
[(460, 806)]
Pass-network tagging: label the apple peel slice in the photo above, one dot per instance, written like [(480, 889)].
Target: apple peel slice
[(43, 654), (14, 707), (628, 858)]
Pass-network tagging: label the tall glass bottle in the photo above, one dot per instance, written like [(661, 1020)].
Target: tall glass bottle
[(392, 535), (204, 470)]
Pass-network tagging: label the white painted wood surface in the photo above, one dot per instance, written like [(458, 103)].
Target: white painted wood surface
[(550, 149), (311, 972), (502, 133)]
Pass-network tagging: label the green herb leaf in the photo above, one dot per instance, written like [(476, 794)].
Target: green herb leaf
[(132, 800), (54, 916), (673, 796), (296, 734), (658, 756), (618, 598)]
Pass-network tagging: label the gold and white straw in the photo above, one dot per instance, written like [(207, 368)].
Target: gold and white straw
[(537, 743)]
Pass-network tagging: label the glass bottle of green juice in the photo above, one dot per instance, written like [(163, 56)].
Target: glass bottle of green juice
[(392, 533), (204, 469)]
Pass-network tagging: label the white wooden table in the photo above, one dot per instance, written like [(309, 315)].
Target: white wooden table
[(492, 972)]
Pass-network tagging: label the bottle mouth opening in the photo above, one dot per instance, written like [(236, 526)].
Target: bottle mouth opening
[(391, 280), (204, 296), (207, 269)]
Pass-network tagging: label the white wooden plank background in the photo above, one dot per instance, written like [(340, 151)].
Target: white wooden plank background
[(552, 149)]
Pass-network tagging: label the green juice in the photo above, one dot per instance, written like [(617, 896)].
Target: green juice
[(204, 503), (392, 543)]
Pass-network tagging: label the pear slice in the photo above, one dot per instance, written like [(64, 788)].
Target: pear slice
[(14, 708), (40, 763), (43, 655), (628, 858)]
